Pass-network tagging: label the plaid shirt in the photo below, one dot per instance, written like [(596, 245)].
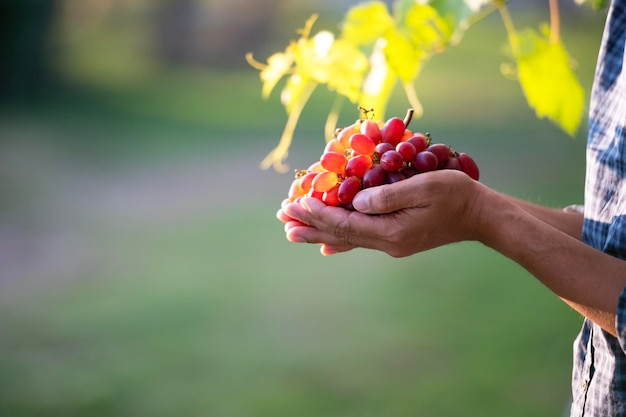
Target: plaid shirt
[(599, 374)]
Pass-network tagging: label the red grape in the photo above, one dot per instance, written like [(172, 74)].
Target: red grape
[(306, 181), (374, 176), (395, 177), (407, 150), (426, 161), (362, 144), (372, 153), (468, 165), (316, 167), (452, 163), (371, 129), (295, 190), (334, 162), (393, 130), (344, 134), (331, 197), (334, 145), (324, 181), (383, 147), (442, 152), (408, 171), (358, 165), (348, 189), (317, 194), (420, 141), (391, 161)]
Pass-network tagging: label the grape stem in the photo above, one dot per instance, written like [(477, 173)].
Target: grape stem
[(408, 117), (510, 29), (279, 154)]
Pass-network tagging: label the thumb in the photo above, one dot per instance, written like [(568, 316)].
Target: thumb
[(381, 199)]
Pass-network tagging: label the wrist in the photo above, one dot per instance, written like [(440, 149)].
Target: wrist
[(493, 217)]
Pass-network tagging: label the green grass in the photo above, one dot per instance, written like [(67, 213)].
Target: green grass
[(222, 316)]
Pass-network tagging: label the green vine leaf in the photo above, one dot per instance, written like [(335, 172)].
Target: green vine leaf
[(365, 23), (425, 27), (334, 62), (402, 56), (379, 82), (595, 4), (376, 50), (549, 84)]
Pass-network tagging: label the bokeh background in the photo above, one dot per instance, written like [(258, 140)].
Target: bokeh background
[(143, 272)]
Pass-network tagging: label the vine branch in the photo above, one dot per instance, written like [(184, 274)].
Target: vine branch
[(554, 21)]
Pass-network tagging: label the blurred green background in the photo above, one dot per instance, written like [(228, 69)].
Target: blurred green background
[(142, 270)]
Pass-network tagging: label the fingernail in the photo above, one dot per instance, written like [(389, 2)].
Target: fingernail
[(361, 201)]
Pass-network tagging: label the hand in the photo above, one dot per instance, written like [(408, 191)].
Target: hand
[(400, 219)]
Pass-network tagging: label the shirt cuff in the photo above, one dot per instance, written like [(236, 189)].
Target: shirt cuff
[(620, 320), (575, 208)]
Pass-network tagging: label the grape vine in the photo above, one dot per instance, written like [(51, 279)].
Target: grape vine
[(376, 49)]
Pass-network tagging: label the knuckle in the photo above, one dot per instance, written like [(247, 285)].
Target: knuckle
[(343, 231), (385, 198)]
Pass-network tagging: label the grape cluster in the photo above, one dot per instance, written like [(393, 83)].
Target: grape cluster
[(370, 153)]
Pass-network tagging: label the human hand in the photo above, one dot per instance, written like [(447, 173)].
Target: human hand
[(425, 211)]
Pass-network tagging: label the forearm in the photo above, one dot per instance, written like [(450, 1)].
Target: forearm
[(569, 222), (587, 279)]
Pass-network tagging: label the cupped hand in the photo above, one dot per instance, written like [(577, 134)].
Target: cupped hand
[(413, 215)]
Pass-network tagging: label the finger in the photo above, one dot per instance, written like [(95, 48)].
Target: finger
[(399, 195), (280, 215), (285, 202), (294, 223), (336, 226), (302, 233), (328, 250)]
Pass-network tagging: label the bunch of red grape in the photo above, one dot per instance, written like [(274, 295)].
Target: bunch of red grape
[(370, 153)]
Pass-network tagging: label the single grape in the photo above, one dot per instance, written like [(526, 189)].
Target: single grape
[(391, 161), (425, 161), (408, 171), (452, 163), (344, 134), (407, 150), (362, 144), (395, 177), (316, 167), (374, 176), (295, 190), (420, 141), (334, 162), (324, 181), (334, 145), (393, 130), (358, 165), (371, 129), (331, 197), (348, 206), (348, 189), (383, 147), (442, 152), (469, 166), (316, 194), (306, 180)]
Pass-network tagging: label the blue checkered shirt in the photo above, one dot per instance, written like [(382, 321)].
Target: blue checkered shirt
[(599, 373)]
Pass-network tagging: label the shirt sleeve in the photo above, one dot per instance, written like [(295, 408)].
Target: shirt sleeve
[(620, 320)]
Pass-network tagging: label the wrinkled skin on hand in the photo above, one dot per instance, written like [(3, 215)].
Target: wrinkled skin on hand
[(420, 213)]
